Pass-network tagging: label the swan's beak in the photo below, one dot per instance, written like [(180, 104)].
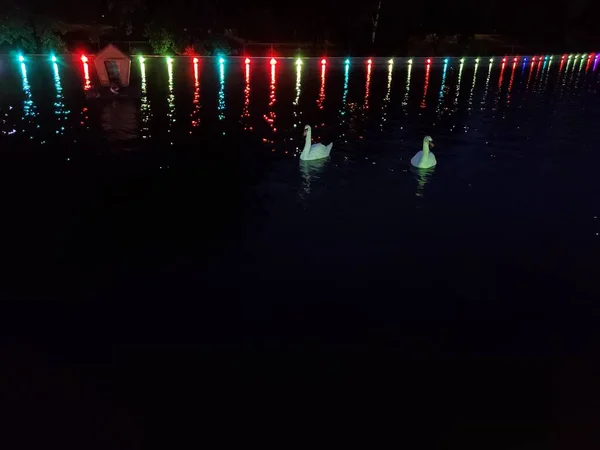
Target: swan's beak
[(304, 134), (431, 144)]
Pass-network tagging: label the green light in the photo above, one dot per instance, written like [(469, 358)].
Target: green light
[(391, 61), (298, 62), (21, 58), (347, 62), (141, 59), (53, 58), (477, 60), (410, 61), (576, 56), (491, 60), (550, 56), (169, 60), (584, 55), (569, 57), (221, 60), (462, 60)]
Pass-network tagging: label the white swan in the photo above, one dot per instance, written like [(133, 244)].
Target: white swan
[(425, 158), (316, 151)]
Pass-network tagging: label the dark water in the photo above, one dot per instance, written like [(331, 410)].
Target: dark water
[(171, 269)]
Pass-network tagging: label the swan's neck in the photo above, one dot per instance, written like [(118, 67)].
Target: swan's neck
[(307, 143), (425, 148)]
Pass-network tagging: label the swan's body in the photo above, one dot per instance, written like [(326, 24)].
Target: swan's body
[(315, 151), (425, 158)]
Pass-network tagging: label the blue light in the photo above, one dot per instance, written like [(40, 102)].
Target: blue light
[(347, 62), (221, 60), (21, 58), (525, 59), (53, 58), (446, 61)]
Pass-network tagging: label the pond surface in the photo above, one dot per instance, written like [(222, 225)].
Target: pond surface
[(183, 214)]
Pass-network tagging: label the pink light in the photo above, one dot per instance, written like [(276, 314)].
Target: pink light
[(84, 58), (273, 61), (563, 57), (195, 60), (323, 61), (428, 61), (247, 60), (503, 59), (515, 60)]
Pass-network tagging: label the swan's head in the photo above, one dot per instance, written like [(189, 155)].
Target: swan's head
[(428, 140), (306, 129)]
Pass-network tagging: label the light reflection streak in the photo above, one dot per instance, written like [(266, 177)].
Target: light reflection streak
[(270, 118), (442, 91), (299, 83), (246, 109), (460, 69), (425, 87), (386, 99), (473, 86), (545, 77), (195, 122), (29, 108), (510, 84), (221, 105), (407, 90), (171, 97), (565, 79), (344, 108), (322, 89), (86, 75), (531, 69), (145, 104), (59, 106), (578, 77), (487, 85), (367, 86)]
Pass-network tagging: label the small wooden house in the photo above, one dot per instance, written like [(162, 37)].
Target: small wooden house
[(112, 66)]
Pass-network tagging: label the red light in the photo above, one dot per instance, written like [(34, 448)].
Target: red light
[(503, 59), (195, 60), (84, 58), (428, 61), (563, 57), (247, 60), (369, 61), (323, 61), (533, 58), (273, 61), (590, 57), (516, 59)]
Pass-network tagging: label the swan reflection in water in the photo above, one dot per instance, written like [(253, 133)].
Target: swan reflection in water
[(311, 172), (423, 176)]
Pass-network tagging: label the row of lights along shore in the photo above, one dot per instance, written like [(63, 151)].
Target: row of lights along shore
[(299, 61)]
